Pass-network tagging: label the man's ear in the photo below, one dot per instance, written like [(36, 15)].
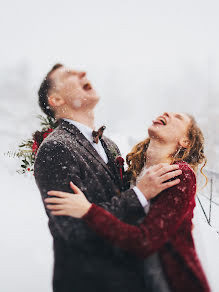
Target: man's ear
[(55, 100)]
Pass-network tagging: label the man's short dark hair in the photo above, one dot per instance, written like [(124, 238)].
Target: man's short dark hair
[(43, 92)]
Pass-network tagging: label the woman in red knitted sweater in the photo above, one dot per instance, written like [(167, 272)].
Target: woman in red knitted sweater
[(164, 238)]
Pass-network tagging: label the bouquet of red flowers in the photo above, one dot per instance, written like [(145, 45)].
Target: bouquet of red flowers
[(28, 149)]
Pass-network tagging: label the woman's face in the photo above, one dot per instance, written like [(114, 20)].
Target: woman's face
[(171, 128)]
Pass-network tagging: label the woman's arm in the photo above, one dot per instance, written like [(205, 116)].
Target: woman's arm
[(124, 205), (164, 218), (165, 215)]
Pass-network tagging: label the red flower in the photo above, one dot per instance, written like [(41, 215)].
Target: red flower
[(39, 138), (120, 160), (120, 163), (28, 169), (45, 134), (35, 147)]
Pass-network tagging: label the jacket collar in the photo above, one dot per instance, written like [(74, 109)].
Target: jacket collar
[(82, 140)]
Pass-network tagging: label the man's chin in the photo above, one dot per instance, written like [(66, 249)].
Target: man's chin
[(97, 99), (94, 99), (90, 102)]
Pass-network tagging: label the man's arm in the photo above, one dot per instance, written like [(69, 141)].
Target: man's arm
[(135, 202), (129, 202), (152, 183), (55, 167)]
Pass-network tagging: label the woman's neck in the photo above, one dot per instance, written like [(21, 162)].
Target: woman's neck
[(158, 152)]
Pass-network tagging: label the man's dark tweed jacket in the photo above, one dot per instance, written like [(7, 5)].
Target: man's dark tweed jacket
[(83, 261)]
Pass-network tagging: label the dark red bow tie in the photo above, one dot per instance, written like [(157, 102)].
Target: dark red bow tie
[(98, 134)]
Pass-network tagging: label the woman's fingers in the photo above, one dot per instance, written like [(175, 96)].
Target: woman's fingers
[(54, 200), (59, 194), (54, 207), (75, 188)]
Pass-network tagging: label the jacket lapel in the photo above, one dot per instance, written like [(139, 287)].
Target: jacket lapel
[(112, 163), (82, 140)]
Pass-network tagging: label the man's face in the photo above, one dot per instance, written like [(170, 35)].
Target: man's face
[(74, 88)]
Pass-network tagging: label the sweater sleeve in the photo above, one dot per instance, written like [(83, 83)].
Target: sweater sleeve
[(164, 218)]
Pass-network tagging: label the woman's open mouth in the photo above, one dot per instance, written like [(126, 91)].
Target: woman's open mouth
[(161, 121)]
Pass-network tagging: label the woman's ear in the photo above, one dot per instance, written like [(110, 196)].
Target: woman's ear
[(55, 100), (184, 142)]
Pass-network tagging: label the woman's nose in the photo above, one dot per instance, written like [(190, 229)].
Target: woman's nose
[(166, 114)]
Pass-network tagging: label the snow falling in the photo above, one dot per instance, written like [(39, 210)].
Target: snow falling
[(150, 59)]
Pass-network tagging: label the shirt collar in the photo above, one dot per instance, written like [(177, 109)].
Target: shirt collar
[(85, 130)]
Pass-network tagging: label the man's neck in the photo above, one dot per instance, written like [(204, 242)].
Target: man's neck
[(86, 118), (158, 152)]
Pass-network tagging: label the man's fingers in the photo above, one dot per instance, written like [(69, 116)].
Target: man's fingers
[(58, 194), (167, 168), (54, 200), (158, 166), (58, 213), (170, 175), (170, 184), (55, 207), (75, 188)]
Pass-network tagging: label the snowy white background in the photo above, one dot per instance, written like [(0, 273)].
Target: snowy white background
[(144, 57)]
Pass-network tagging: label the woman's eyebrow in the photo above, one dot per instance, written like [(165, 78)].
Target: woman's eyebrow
[(179, 116)]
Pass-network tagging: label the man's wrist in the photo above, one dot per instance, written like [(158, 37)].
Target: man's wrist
[(147, 196), (142, 199)]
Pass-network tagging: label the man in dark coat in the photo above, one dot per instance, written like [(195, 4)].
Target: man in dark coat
[(73, 152)]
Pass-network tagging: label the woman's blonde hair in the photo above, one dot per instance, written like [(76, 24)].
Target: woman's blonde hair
[(193, 154)]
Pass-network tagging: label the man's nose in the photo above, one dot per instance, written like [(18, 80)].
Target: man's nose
[(82, 74)]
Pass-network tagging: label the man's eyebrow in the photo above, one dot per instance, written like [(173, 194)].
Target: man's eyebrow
[(67, 72)]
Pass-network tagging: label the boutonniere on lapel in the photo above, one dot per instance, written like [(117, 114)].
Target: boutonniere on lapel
[(120, 164)]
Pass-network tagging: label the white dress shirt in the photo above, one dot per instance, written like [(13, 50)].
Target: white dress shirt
[(87, 132)]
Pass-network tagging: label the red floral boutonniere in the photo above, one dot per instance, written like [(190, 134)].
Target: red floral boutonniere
[(120, 164)]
